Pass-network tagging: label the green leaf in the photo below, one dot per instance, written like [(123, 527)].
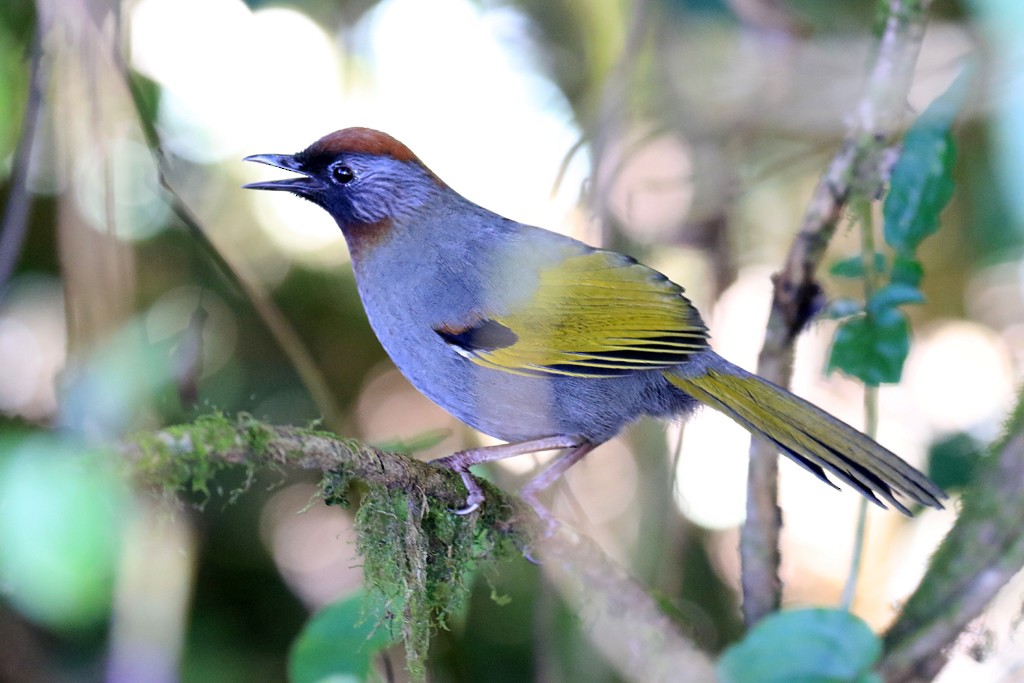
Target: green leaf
[(922, 184), (953, 460), (944, 109), (853, 267), (893, 295), (922, 179), (843, 308), (872, 348), (906, 270), (808, 646), (339, 643)]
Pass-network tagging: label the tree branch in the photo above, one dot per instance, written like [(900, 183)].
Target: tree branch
[(628, 624), (858, 167), (982, 552), (629, 628), (185, 456)]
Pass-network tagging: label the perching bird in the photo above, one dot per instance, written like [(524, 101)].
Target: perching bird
[(540, 340)]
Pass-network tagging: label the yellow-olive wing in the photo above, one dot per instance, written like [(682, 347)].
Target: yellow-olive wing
[(594, 314)]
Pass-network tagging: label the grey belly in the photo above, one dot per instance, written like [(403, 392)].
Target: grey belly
[(516, 407)]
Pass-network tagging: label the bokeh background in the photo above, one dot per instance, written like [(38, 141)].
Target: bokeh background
[(687, 132)]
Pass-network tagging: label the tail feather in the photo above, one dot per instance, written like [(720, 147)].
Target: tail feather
[(814, 439)]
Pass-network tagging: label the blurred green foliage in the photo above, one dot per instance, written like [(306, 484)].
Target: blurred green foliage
[(808, 645), (62, 509), (954, 460), (17, 22), (340, 642)]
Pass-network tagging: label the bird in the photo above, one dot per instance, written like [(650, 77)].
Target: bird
[(540, 340)]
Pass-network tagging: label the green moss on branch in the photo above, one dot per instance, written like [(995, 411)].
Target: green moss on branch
[(418, 555), (982, 552)]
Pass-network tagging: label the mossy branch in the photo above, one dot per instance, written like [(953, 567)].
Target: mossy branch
[(416, 552), (979, 556), (185, 456)]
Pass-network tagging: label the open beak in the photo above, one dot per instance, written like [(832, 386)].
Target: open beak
[(303, 185)]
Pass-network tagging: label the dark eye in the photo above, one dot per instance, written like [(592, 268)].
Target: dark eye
[(342, 174)]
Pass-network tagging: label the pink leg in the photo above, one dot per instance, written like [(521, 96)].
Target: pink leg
[(461, 462), (548, 477)]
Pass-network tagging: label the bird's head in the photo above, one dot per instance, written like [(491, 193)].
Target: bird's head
[(362, 177)]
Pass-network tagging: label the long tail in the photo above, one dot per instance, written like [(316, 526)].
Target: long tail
[(807, 434)]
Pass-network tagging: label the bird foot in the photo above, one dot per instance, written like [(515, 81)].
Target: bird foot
[(528, 555), (462, 460), (549, 523), (475, 495)]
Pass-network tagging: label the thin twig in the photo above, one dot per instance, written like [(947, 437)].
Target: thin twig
[(854, 169), (248, 288), (864, 216), (19, 201), (612, 113)]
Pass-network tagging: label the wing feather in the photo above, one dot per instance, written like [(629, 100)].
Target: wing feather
[(595, 314)]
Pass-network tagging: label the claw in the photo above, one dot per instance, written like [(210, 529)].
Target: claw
[(472, 505), (474, 494)]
